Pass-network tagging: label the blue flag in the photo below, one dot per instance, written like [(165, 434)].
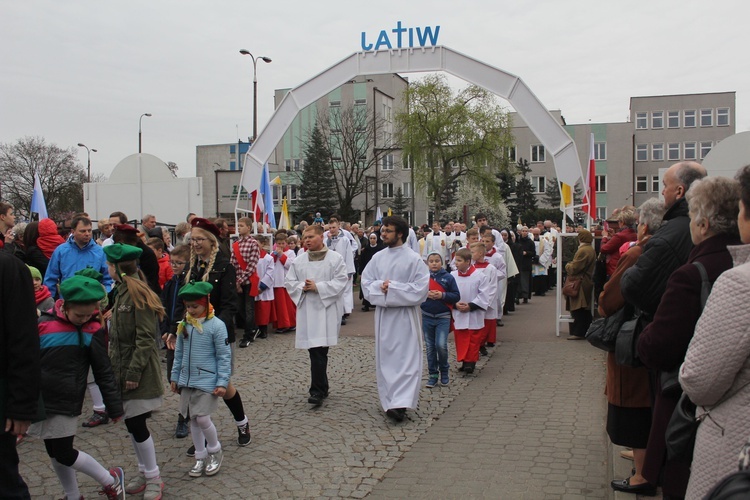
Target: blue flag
[(37, 199)]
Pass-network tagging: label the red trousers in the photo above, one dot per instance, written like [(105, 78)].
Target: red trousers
[(284, 308), (264, 312), (467, 345), (490, 331)]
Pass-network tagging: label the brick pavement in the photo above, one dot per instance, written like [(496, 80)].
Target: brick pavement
[(532, 427)]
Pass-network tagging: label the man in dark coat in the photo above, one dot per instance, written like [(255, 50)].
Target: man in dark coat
[(643, 284), (528, 252), (19, 368)]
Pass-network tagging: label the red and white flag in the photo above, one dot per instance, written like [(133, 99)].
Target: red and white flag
[(589, 198)]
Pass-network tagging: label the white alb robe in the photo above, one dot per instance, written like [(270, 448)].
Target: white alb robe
[(398, 323), (318, 313), (492, 288), (342, 245)]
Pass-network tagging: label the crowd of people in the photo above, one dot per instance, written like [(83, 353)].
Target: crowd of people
[(662, 262), (105, 306)]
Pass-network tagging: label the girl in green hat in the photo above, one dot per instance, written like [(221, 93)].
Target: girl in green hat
[(136, 311), (202, 366), (71, 340)]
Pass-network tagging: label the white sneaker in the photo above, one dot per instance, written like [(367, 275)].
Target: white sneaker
[(154, 489), (136, 484)]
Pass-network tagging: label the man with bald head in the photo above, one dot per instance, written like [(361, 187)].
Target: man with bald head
[(643, 284)]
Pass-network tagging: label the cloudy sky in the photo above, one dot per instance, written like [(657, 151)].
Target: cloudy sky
[(84, 71)]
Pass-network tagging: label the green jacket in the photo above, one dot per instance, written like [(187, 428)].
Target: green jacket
[(133, 348)]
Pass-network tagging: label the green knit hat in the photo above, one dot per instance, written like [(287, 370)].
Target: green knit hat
[(195, 290), (80, 289), (90, 272), (35, 274), (120, 252)]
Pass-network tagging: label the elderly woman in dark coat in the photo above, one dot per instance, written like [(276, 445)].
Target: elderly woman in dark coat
[(713, 206), (716, 371), (627, 388), (582, 266)]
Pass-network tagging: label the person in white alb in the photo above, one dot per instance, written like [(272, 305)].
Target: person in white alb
[(397, 281), (316, 282), (342, 245), (436, 241)]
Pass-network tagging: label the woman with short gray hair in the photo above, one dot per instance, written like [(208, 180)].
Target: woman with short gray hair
[(628, 398), (713, 207)]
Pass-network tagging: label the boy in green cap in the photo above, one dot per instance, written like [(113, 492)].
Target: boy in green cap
[(200, 374), (42, 295)]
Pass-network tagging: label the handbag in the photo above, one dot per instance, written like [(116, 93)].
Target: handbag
[(572, 286), (627, 339), (683, 426), (603, 331)]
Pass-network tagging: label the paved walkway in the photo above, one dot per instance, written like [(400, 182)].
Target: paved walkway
[(528, 424)]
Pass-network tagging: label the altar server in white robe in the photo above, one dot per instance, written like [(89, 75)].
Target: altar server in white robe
[(336, 240), (397, 281), (316, 282)]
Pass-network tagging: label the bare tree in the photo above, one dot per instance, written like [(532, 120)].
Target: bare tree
[(349, 134), (61, 176)]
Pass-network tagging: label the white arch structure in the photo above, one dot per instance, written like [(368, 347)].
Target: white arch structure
[(510, 87), (412, 60)]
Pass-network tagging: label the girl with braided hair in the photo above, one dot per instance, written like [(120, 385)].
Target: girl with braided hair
[(208, 264)]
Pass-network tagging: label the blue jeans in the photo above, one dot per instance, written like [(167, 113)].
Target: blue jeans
[(436, 332)]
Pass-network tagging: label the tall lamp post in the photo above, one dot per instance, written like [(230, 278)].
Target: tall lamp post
[(255, 88), (88, 153), (140, 133)]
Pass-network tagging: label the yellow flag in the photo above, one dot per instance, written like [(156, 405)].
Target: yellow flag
[(389, 212), (566, 200), (276, 181)]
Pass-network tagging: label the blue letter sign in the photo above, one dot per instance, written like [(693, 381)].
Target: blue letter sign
[(425, 37)]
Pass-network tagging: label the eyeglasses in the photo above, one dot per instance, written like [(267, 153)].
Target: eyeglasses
[(175, 263), (198, 240)]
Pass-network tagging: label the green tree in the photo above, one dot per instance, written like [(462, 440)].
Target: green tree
[(61, 176), (523, 199), (399, 205), (451, 137), (317, 192)]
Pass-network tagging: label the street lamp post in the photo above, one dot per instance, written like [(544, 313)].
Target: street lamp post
[(140, 133), (255, 88), (88, 153)]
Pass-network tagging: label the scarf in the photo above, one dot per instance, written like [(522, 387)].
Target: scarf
[(491, 252), (42, 294), (196, 323), (481, 265), (316, 256), (468, 272)]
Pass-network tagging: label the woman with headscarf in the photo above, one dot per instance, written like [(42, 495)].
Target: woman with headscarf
[(581, 267), (374, 246), (48, 238)]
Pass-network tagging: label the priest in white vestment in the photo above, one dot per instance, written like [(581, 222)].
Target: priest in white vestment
[(397, 281), (317, 282)]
